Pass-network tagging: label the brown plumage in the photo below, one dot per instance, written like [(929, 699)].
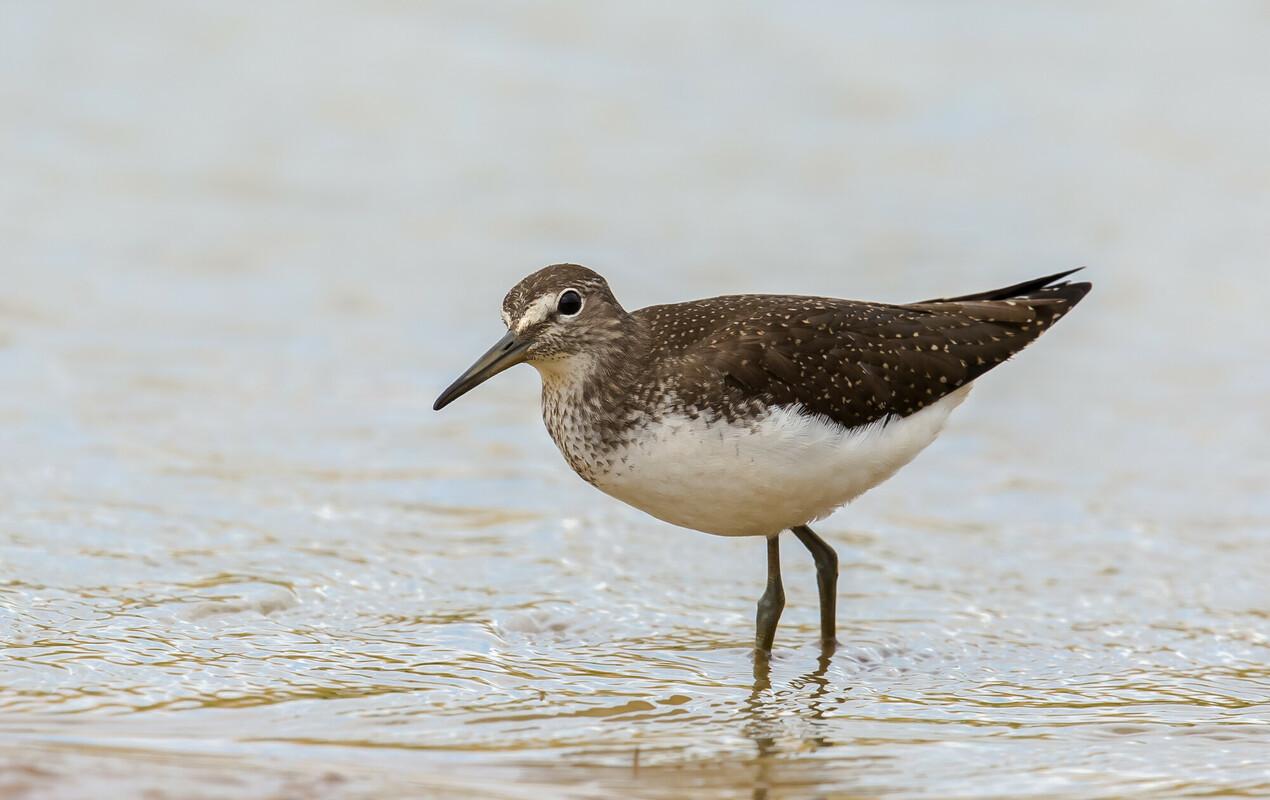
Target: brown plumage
[(853, 362)]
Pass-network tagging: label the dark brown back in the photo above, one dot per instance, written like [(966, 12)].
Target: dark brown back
[(853, 362)]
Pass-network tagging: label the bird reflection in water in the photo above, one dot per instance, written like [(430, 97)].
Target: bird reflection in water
[(764, 710)]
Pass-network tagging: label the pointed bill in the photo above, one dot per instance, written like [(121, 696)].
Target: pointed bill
[(508, 352)]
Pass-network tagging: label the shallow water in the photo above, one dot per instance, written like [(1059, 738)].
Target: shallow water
[(245, 247)]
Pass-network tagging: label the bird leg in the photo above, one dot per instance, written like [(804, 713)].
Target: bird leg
[(826, 580), (772, 602)]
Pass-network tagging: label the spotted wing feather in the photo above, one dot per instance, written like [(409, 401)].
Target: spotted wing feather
[(853, 362)]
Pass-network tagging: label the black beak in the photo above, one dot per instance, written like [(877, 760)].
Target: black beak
[(507, 353)]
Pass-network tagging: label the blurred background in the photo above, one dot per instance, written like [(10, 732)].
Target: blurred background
[(246, 244)]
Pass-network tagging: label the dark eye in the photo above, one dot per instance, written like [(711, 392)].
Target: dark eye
[(570, 303)]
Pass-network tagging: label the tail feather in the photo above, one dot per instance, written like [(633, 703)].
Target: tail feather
[(1023, 289)]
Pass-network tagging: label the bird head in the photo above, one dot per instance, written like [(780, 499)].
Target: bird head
[(558, 319)]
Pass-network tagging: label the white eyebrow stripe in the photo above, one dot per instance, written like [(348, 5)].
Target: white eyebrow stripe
[(537, 311)]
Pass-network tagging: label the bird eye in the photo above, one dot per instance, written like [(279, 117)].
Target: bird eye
[(569, 303)]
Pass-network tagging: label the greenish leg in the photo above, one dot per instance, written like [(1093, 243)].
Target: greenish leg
[(772, 602), (826, 580)]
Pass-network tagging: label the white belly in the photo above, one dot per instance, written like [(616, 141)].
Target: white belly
[(788, 469)]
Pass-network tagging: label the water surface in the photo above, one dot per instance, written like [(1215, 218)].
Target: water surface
[(246, 246)]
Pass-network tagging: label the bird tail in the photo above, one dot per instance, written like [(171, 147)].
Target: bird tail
[(1049, 287)]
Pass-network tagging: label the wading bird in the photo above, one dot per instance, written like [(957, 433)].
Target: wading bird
[(749, 415)]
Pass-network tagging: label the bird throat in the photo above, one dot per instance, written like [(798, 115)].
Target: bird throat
[(592, 400)]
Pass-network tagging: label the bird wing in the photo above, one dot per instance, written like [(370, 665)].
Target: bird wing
[(859, 363)]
